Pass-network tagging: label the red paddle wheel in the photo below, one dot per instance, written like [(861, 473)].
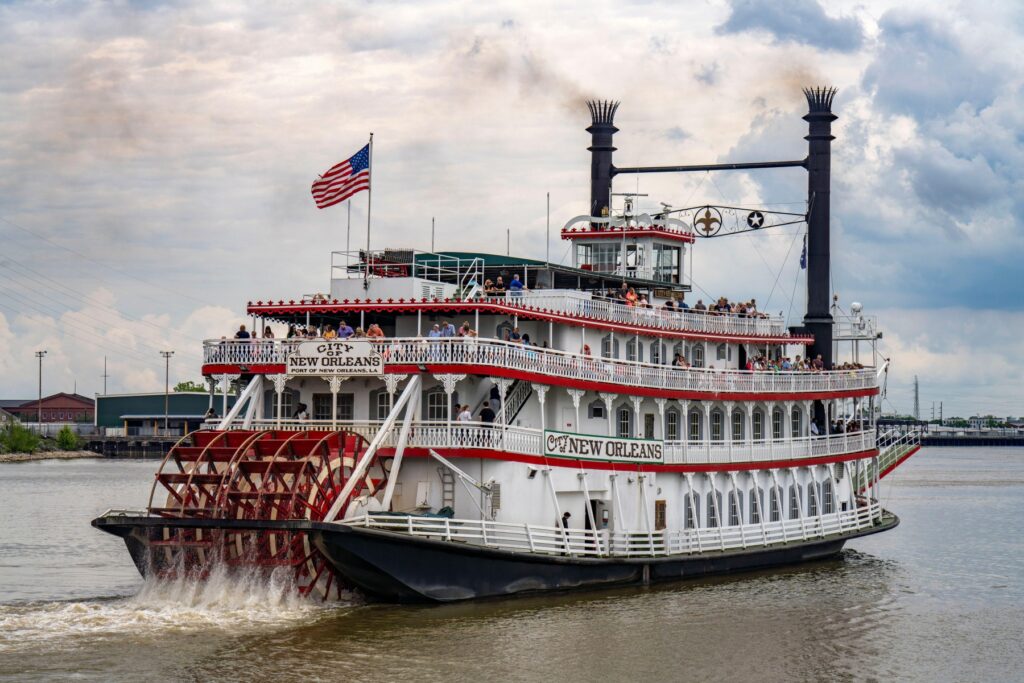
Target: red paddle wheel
[(265, 475)]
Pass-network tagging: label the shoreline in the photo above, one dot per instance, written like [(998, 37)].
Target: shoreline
[(47, 455)]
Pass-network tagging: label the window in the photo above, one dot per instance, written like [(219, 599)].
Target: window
[(812, 499), (775, 504), (713, 498), (795, 423), (758, 427), (698, 355), (679, 349), (756, 504), (735, 508), (777, 418), (609, 347), (692, 520), (635, 256), (660, 515), (666, 263), (717, 420), (595, 410), (794, 500), (672, 425), (648, 425), (828, 504), (737, 425), (503, 330), (634, 350), (659, 352), (436, 405), (287, 403), (625, 422), (695, 426), (721, 352), (382, 405)]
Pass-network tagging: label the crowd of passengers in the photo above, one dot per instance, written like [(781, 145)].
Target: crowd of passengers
[(447, 330)]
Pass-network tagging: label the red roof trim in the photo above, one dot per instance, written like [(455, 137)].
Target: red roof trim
[(619, 233)]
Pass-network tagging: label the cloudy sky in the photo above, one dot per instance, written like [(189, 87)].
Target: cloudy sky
[(155, 161)]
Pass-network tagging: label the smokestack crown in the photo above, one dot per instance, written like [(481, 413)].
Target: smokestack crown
[(819, 100), (602, 111)]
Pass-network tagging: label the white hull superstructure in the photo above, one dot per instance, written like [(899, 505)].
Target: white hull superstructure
[(518, 425)]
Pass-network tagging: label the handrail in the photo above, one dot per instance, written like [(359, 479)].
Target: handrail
[(577, 303), (552, 540), (534, 359), (528, 441)]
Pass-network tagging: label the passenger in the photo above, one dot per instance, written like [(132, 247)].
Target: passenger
[(514, 336), (516, 287), (268, 333), (464, 414), (448, 330), (374, 331), (499, 286), (359, 334), (486, 414), (344, 331), (489, 287), (292, 332), (329, 333), (242, 334), (300, 413), (435, 332)]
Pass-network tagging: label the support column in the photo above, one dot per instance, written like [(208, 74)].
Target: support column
[(707, 429), (660, 402), (787, 427), (391, 385), (226, 381), (279, 385), (608, 398), (684, 405), (637, 427), (541, 390), (576, 395), (448, 382), (728, 426), (334, 384)]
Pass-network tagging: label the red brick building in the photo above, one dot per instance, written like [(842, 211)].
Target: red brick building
[(60, 407)]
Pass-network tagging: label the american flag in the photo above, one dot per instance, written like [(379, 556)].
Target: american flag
[(343, 180)]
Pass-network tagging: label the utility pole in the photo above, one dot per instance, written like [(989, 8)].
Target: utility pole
[(167, 385), (431, 234), (105, 375), (917, 401), (547, 241), (940, 412), (508, 241), (39, 404)]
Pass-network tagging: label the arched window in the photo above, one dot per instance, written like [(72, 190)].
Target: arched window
[(435, 405), (697, 350), (692, 520), (503, 330), (758, 424), (737, 425), (813, 495), (722, 352), (634, 350), (828, 503), (609, 347), (696, 432), (714, 497), (756, 504), (775, 504), (624, 422), (380, 406), (777, 418), (735, 508), (795, 493), (678, 350), (717, 425), (672, 425), (795, 423), (658, 352)]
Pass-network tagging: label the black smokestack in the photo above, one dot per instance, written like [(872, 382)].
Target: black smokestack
[(602, 128), (818, 320)]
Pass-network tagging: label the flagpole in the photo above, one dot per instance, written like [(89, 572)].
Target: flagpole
[(369, 200), (348, 235)]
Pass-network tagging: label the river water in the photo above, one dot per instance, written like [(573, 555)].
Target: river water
[(939, 598)]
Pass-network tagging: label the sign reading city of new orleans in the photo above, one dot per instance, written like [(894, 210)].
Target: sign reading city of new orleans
[(342, 357), (606, 448)]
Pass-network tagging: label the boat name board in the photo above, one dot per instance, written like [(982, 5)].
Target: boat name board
[(356, 357), (604, 448)]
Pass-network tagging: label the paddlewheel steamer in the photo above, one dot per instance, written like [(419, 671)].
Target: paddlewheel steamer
[(607, 461)]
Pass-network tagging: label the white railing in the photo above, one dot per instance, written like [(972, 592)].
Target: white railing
[(527, 441), (534, 359), (576, 303), (553, 540)]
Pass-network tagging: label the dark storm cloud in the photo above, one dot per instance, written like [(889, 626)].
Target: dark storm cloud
[(798, 21)]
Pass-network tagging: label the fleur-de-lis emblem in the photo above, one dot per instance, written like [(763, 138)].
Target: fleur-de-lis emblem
[(709, 223)]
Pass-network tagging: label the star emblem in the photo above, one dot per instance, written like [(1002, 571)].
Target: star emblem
[(755, 219)]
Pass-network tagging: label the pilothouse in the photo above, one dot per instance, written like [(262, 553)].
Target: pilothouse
[(452, 425)]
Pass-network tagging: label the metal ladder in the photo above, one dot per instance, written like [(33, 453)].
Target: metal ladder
[(447, 487)]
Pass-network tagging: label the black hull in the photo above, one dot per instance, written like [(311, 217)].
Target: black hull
[(396, 567)]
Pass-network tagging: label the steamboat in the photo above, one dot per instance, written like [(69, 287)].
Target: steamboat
[(584, 425)]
